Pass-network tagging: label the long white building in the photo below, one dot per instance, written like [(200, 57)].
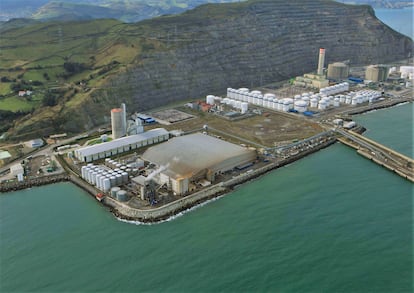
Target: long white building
[(120, 145)]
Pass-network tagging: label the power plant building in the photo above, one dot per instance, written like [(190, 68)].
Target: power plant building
[(376, 73), (338, 71), (317, 80), (188, 158), (121, 145)]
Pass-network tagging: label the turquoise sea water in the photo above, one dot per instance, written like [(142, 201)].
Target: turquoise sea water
[(332, 222)]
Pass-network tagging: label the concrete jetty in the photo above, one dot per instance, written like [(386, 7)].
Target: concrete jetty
[(378, 153)]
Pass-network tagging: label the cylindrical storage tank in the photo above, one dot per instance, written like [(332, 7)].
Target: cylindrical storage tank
[(83, 171), (244, 107), (256, 92), (280, 105), (114, 191), (106, 185), (297, 97), (348, 99), (342, 99), (117, 122), (107, 161), (306, 99), (128, 170), (336, 102), (97, 180), (210, 99), (250, 98), (93, 177), (125, 177), (313, 103), (118, 179), (118, 165), (354, 101), (101, 182), (286, 105), (122, 195), (113, 180), (123, 168), (300, 106), (322, 105)]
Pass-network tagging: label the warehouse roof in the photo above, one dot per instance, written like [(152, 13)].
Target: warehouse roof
[(189, 154), (116, 143)]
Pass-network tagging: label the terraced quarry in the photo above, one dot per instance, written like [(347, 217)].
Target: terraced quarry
[(173, 58)]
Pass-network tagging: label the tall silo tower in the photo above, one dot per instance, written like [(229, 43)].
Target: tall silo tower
[(117, 121)]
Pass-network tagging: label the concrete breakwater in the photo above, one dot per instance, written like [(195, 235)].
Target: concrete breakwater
[(124, 211), (13, 186)]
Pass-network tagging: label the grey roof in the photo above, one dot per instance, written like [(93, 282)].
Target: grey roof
[(116, 143), (189, 154)]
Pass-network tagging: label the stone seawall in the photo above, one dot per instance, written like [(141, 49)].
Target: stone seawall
[(13, 186), (124, 211)]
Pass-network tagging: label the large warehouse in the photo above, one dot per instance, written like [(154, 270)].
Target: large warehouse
[(120, 145), (196, 156)]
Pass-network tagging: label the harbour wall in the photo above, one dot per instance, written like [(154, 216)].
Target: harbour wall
[(13, 186), (124, 211)]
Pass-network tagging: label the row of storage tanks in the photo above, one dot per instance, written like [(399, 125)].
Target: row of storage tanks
[(242, 106), (110, 175), (322, 100), (104, 178)]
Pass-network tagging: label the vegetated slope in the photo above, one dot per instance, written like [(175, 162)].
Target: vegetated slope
[(174, 58)]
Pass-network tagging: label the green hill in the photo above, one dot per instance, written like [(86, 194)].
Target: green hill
[(79, 70)]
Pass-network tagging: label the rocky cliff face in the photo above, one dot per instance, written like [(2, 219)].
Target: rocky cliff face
[(215, 47), (210, 48)]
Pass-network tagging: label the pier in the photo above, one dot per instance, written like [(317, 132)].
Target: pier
[(378, 153)]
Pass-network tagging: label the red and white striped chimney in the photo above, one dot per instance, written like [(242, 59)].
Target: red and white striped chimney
[(321, 61)]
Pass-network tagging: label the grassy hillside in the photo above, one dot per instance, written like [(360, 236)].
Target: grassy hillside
[(79, 70)]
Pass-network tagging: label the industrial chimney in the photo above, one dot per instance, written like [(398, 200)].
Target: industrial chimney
[(321, 61)]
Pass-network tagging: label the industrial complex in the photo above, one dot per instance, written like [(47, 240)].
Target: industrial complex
[(139, 167)]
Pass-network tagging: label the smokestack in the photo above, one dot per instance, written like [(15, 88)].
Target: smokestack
[(124, 126), (321, 61)]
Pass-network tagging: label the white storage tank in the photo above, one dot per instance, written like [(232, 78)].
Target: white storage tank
[(322, 105), (244, 107), (114, 191), (354, 101), (112, 179), (300, 106), (118, 179), (336, 102), (210, 99), (122, 195), (313, 103), (348, 99), (106, 185), (125, 177)]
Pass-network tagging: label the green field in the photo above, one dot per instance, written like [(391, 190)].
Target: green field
[(15, 104)]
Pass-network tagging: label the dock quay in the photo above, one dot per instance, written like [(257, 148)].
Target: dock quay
[(13, 186), (378, 153)]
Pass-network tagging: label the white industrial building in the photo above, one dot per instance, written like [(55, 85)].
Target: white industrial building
[(188, 158), (18, 171), (120, 145)]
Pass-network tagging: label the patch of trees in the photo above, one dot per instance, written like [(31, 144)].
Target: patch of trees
[(49, 100), (7, 118), (21, 86), (74, 67)]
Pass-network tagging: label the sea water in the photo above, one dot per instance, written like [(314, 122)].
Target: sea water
[(331, 222)]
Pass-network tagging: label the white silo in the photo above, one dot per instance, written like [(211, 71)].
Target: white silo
[(300, 106), (210, 99), (83, 170), (342, 99), (306, 99), (280, 105), (354, 101), (322, 105), (313, 103), (336, 102), (118, 179), (106, 185), (244, 107), (117, 123), (97, 180), (256, 92), (125, 178)]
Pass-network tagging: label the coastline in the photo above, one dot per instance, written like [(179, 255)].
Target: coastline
[(164, 213)]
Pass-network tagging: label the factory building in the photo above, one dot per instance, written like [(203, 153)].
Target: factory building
[(338, 71), (376, 73), (317, 80), (120, 145), (183, 160)]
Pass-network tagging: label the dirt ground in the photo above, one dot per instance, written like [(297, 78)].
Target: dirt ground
[(269, 129)]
